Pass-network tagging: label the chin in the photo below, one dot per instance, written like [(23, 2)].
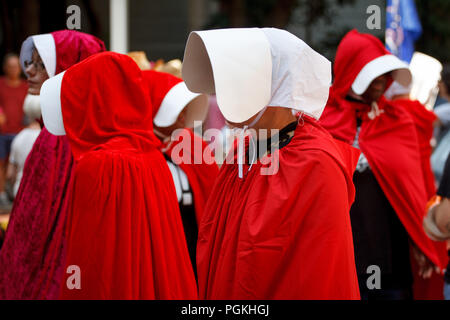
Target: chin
[(34, 92)]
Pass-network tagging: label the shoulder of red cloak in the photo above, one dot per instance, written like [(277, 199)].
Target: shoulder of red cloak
[(339, 119), (201, 176), (343, 154), (74, 46), (191, 146), (158, 85), (423, 118)]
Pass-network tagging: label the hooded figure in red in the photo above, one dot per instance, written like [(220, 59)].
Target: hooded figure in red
[(274, 227), (175, 110), (32, 256), (125, 236), (390, 179)]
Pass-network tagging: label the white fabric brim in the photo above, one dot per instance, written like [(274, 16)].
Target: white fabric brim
[(210, 65), (301, 77), (51, 105), (178, 98), (45, 46), (379, 66)]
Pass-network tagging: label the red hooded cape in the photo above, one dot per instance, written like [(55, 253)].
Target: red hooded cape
[(201, 175), (124, 228), (286, 235), (390, 142), (423, 120), (32, 256)]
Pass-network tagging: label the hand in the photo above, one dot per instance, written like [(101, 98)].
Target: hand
[(2, 119), (436, 222), (442, 217), (426, 267)]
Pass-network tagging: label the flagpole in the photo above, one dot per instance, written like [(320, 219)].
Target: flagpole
[(118, 25)]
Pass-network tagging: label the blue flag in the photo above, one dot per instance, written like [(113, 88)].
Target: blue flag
[(403, 28)]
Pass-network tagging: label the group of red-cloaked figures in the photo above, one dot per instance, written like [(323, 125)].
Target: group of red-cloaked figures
[(106, 210)]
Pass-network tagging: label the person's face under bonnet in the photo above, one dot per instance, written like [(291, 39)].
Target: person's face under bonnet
[(36, 73), (272, 118), (180, 123), (376, 88)]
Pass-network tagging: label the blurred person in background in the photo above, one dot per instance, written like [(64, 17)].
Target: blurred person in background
[(442, 109), (13, 90), (444, 92), (437, 221), (23, 142)]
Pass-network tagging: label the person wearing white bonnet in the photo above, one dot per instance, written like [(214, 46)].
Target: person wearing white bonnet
[(276, 225), (175, 112), (393, 179), (38, 218)]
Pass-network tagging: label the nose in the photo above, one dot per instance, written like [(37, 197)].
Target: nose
[(380, 86), (30, 71)]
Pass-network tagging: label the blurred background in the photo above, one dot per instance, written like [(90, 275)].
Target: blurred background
[(160, 27)]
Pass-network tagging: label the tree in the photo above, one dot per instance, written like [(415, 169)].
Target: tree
[(253, 13), (435, 40), (279, 14)]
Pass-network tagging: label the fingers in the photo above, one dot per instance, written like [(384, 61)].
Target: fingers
[(437, 270), (428, 272)]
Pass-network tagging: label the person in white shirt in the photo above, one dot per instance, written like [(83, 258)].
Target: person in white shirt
[(23, 142)]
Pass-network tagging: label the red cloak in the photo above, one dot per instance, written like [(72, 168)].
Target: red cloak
[(124, 228), (390, 141), (201, 176), (423, 120), (282, 236), (32, 255), (194, 150)]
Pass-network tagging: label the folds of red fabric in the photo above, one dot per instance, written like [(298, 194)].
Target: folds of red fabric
[(200, 173), (32, 257), (423, 120), (391, 143), (282, 236), (125, 232)]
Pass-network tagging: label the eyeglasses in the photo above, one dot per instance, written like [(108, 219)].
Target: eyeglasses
[(38, 65)]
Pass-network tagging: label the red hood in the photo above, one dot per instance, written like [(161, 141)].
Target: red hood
[(74, 46), (354, 52), (111, 112), (159, 84)]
